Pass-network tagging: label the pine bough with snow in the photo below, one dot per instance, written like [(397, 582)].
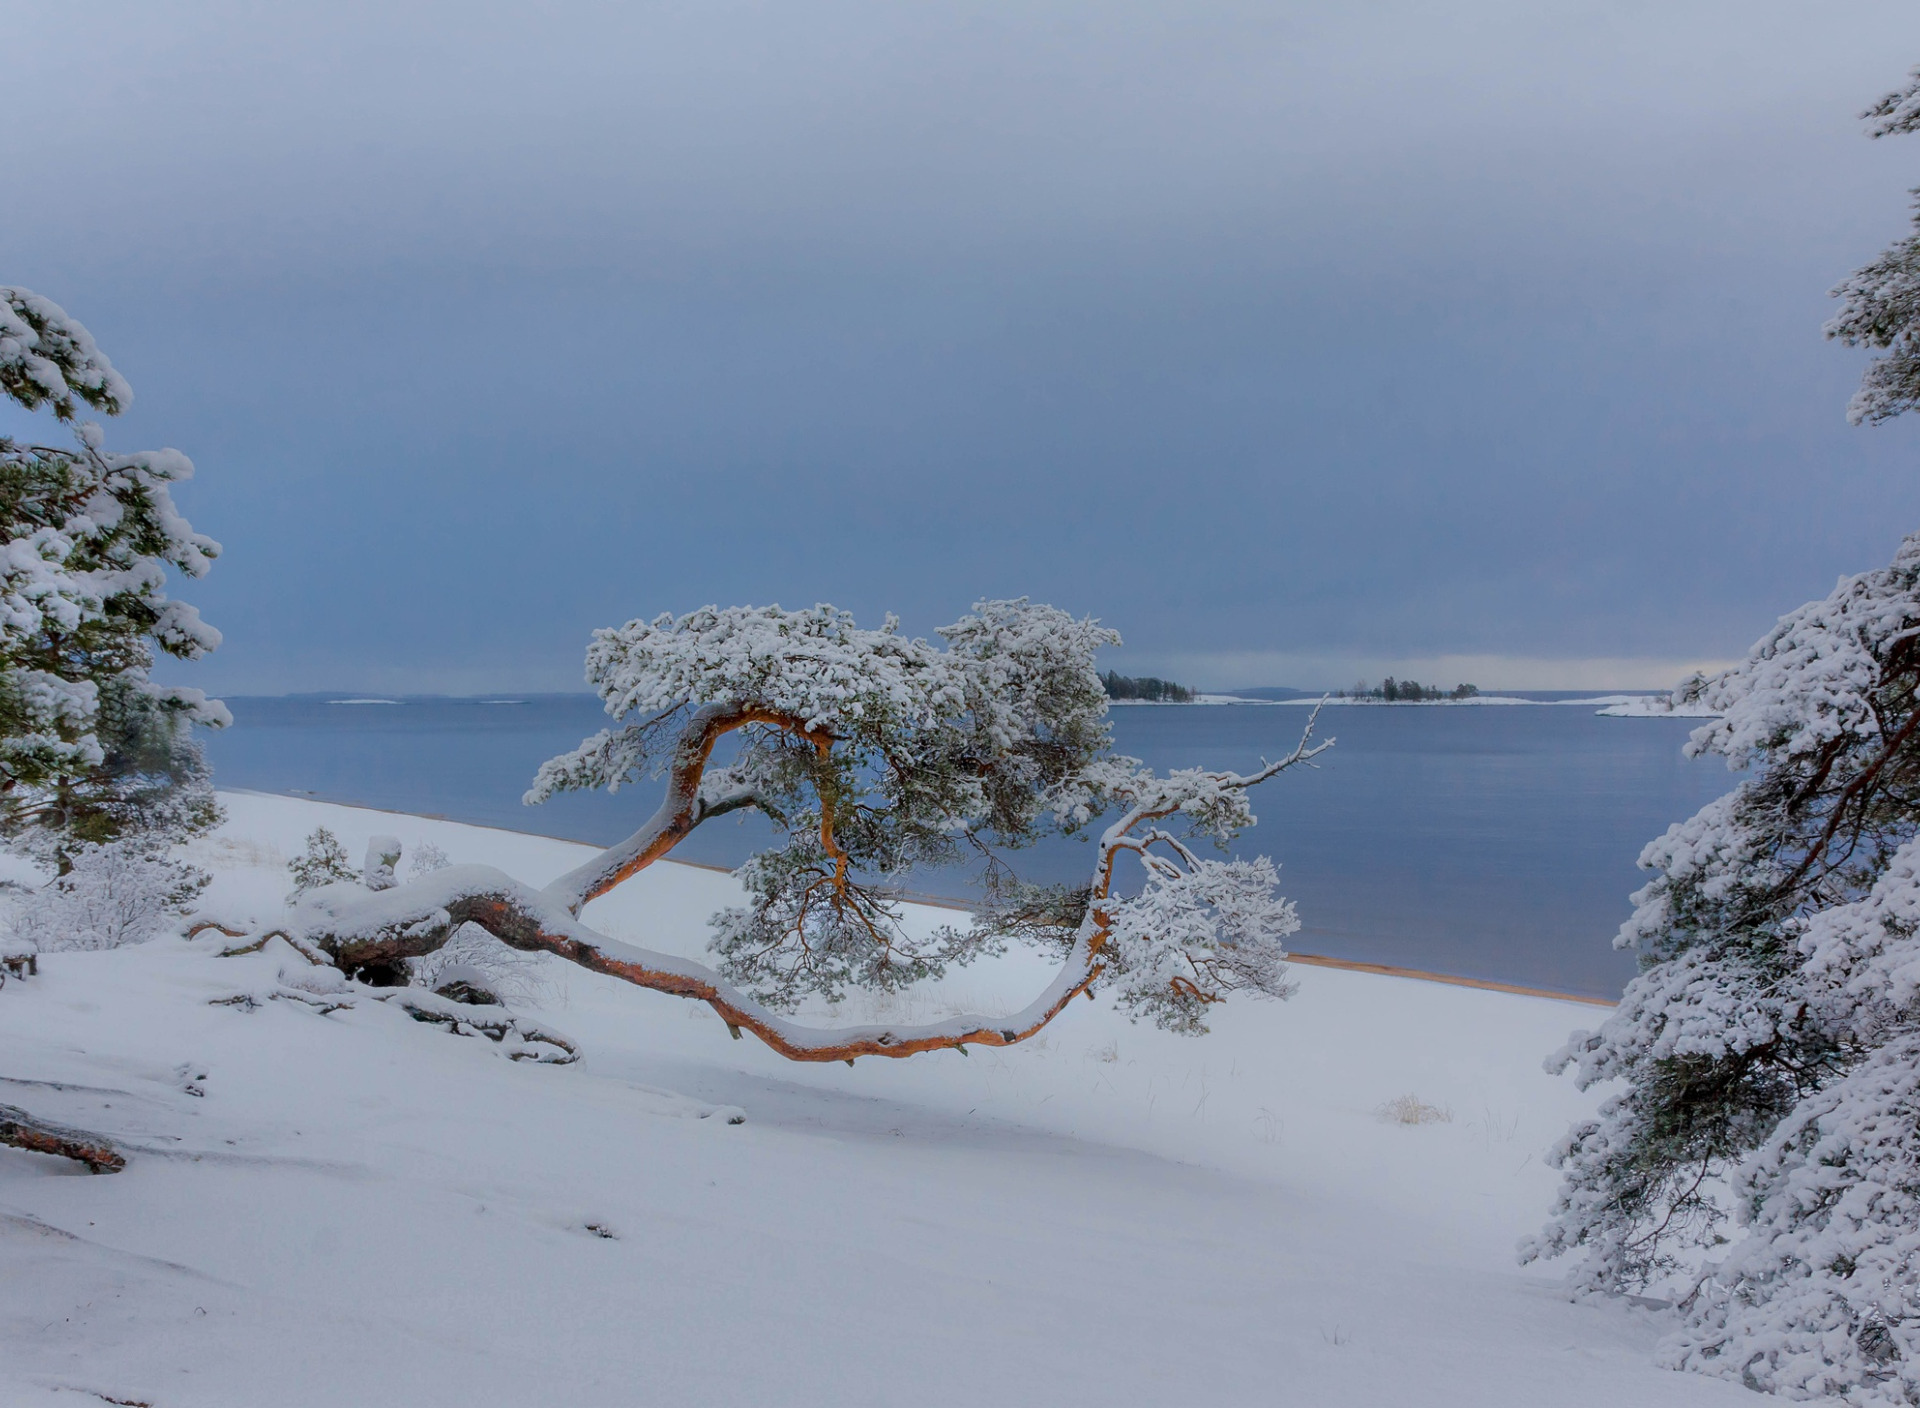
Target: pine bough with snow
[(870, 753), (1769, 1050)]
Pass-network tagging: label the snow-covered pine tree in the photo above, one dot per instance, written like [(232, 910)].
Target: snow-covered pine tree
[(1718, 1037), (870, 753), (1769, 1045), (99, 773), (90, 747), (322, 862)]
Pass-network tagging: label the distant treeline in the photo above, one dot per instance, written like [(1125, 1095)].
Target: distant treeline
[(1407, 691), (1146, 687)]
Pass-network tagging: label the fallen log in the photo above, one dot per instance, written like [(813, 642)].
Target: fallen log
[(24, 1131)]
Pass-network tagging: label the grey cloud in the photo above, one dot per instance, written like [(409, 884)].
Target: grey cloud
[(1341, 331)]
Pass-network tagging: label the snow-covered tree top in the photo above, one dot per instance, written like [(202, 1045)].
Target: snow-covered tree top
[(48, 358), (872, 753), (816, 666), (1011, 704)]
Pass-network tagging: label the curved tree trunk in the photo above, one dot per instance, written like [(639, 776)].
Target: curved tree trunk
[(373, 929)]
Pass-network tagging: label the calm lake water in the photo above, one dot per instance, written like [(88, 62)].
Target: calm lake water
[(1491, 842)]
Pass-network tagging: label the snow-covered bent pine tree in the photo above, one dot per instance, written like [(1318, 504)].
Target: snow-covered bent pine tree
[(870, 752)]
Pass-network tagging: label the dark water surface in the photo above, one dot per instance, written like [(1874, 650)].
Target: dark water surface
[(1492, 842)]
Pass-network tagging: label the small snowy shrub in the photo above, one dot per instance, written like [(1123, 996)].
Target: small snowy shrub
[(324, 862), (1411, 1109), (427, 858), (115, 894)]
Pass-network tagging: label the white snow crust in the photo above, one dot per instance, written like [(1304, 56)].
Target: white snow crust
[(1657, 706), (330, 1203)]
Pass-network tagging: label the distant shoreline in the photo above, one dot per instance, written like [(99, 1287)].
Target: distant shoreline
[(1617, 706)]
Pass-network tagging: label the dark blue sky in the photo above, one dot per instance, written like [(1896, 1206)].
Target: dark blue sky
[(1298, 342)]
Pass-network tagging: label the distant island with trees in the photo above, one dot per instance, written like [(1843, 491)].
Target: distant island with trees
[(1394, 691), (1146, 688), (1150, 689)]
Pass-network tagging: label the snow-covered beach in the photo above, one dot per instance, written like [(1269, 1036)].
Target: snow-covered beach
[(357, 1208)]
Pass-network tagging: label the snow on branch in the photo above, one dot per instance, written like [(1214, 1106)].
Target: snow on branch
[(1880, 301), (48, 358), (1899, 111), (1820, 1299)]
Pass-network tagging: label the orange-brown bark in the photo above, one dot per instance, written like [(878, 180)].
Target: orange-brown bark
[(683, 785), (512, 926)]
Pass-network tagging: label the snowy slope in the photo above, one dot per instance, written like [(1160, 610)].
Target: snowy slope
[(365, 1210)]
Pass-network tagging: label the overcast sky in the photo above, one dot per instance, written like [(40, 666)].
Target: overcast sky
[(1296, 341)]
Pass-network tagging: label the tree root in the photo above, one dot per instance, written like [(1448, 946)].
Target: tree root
[(23, 1131)]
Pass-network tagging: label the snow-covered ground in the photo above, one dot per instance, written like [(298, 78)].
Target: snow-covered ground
[(359, 1209), (1657, 706)]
